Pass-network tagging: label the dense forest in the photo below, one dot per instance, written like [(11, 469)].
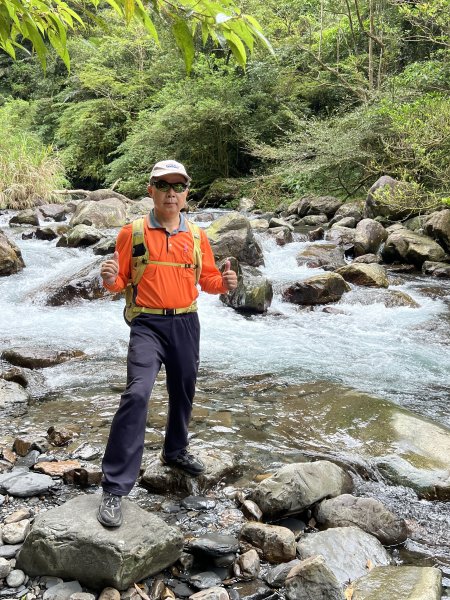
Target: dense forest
[(353, 89)]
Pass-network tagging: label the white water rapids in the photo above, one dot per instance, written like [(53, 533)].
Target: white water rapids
[(402, 354)]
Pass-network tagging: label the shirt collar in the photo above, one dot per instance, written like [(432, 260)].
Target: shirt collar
[(155, 224)]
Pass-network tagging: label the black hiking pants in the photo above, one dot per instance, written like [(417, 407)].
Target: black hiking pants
[(154, 340)]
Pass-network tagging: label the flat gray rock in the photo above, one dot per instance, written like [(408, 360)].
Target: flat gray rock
[(23, 483), (70, 543), (409, 583)]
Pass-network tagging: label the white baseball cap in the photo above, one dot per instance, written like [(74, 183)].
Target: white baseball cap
[(166, 167)]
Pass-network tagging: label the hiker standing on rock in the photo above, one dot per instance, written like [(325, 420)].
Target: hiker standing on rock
[(167, 255)]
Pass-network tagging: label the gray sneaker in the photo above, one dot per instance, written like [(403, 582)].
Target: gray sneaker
[(110, 511), (184, 461)]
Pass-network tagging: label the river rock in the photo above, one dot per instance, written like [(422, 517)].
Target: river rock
[(347, 551), (353, 210), (343, 236), (259, 224), (13, 399), (349, 222), (282, 235), (436, 269), (369, 236), (231, 235), (369, 275), (316, 234), (54, 212), (5, 568), (294, 487), (212, 546), (83, 476), (45, 233), (62, 590), (214, 593), (56, 468), (275, 223), (109, 212), (105, 246), (315, 205), (311, 578), (15, 578), (276, 576), (83, 235), (409, 583), (429, 483), (312, 220), (406, 246), (39, 358), (390, 298), (277, 544), (24, 445), (163, 479), (437, 226), (29, 216), (367, 259), (329, 256), (319, 289), (384, 199), (15, 533), (22, 483), (69, 542), (106, 194), (11, 260), (139, 208), (9, 551), (85, 284), (18, 515), (368, 514), (248, 565), (253, 294)]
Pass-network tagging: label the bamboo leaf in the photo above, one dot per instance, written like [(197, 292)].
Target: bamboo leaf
[(146, 21), (236, 47), (129, 10)]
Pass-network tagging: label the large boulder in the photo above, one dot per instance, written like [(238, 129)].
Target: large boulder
[(369, 275), (29, 216), (85, 284), (349, 210), (110, 212), (11, 260), (315, 205), (386, 197), (437, 226), (344, 236), (297, 486), (347, 551), (253, 294), (369, 236), (328, 256), (406, 246), (409, 583), (232, 235), (54, 212), (70, 543), (436, 269), (139, 208), (368, 514), (81, 236), (319, 289)]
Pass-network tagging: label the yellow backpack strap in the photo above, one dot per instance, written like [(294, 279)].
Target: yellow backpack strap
[(139, 251), (196, 235)]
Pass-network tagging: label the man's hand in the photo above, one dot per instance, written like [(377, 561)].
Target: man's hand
[(229, 277), (110, 269)]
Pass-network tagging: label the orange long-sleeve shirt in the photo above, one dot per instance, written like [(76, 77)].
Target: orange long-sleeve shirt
[(165, 286)]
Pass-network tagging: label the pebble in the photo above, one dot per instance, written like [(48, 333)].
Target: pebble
[(198, 503), (16, 578), (15, 533), (9, 551), (62, 591)]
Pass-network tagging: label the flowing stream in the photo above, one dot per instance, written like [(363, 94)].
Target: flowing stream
[(253, 368)]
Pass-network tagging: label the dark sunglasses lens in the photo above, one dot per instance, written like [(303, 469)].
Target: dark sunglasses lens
[(164, 186)]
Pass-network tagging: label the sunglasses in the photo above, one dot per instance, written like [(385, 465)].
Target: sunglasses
[(164, 186)]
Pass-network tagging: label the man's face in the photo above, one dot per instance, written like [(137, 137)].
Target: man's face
[(168, 203)]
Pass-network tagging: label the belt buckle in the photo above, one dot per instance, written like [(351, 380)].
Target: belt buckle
[(170, 311)]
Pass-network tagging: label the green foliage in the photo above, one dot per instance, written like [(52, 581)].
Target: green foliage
[(28, 170)]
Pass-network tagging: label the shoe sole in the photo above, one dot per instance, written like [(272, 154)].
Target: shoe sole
[(105, 524)]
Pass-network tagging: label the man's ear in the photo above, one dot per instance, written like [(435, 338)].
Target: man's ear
[(149, 190)]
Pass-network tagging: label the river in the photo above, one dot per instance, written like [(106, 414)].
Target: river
[(249, 363)]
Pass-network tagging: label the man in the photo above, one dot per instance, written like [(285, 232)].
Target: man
[(165, 331)]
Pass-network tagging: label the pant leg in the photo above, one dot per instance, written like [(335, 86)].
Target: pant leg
[(123, 454), (182, 362)]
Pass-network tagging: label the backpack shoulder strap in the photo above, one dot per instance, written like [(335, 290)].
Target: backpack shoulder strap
[(139, 251), (196, 235)]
